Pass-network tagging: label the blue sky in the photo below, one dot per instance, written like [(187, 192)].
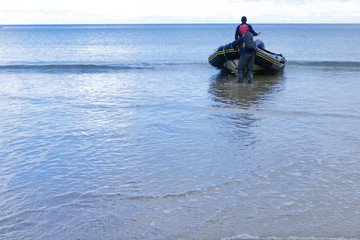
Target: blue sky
[(184, 11)]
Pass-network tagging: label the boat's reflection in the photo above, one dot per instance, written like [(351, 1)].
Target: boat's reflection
[(236, 104), (226, 92)]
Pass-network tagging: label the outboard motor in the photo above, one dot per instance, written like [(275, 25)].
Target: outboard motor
[(259, 44)]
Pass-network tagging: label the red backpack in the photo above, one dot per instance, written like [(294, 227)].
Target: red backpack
[(243, 28)]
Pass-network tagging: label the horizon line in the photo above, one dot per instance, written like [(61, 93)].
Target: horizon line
[(186, 23)]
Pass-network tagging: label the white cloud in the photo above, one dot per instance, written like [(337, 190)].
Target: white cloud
[(203, 11)]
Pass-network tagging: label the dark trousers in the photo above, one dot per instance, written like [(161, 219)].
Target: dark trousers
[(246, 61)]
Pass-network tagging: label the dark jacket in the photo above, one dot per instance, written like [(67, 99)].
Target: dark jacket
[(238, 43), (237, 34)]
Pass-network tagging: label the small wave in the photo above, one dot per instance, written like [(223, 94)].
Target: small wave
[(251, 237), (73, 67), (90, 68), (292, 113), (327, 64)]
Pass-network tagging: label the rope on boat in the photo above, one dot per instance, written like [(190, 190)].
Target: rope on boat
[(224, 53), (227, 61)]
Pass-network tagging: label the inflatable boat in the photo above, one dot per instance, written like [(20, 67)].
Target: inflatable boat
[(227, 57)]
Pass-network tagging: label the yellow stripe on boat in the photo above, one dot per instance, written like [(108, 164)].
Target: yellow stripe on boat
[(268, 58), (231, 50), (221, 52)]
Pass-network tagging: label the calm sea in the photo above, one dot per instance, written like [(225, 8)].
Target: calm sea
[(126, 132)]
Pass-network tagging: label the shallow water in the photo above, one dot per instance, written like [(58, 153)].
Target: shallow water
[(177, 150)]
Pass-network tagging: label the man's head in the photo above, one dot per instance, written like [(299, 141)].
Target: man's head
[(243, 19)]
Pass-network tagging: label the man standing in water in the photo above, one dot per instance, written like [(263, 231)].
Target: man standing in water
[(244, 39), (247, 56)]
